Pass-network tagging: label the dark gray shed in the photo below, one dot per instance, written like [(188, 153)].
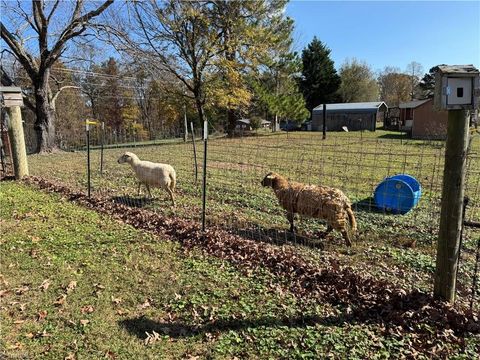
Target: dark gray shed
[(355, 116)]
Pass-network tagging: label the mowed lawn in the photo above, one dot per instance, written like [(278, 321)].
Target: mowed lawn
[(355, 162), (78, 285)]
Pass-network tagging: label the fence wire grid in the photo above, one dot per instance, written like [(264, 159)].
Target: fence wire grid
[(397, 245)]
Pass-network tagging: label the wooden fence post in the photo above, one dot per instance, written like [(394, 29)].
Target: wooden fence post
[(448, 245), (17, 140)]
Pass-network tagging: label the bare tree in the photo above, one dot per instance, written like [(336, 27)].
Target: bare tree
[(49, 27), (174, 37), (394, 86), (415, 71)]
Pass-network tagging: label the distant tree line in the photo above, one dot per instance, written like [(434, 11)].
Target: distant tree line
[(217, 60)]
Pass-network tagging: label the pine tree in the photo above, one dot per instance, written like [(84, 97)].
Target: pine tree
[(320, 81), (427, 83)]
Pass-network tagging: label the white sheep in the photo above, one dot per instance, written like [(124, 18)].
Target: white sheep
[(151, 174)]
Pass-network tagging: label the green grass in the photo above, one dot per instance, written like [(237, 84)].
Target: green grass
[(124, 283), (354, 162)]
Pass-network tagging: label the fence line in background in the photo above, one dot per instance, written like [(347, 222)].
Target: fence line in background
[(236, 200)]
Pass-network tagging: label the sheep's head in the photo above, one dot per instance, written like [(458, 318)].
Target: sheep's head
[(128, 157), (270, 179)]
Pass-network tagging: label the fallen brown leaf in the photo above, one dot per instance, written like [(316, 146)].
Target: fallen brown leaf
[(145, 305), (22, 290), (116, 301), (42, 315), (15, 346), (61, 300), (110, 355), (87, 309), (45, 284), (71, 286)]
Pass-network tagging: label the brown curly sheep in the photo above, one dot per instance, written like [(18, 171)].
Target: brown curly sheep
[(320, 202)]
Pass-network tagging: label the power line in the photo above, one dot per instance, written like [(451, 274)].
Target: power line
[(87, 72)]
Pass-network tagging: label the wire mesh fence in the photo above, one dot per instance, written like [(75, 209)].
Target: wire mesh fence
[(237, 201)]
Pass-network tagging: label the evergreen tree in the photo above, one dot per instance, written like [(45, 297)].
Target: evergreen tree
[(427, 83), (110, 109), (320, 81), (277, 89)]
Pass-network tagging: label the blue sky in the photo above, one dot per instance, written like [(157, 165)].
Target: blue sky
[(391, 33)]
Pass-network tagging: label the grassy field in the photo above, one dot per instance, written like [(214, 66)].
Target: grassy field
[(354, 162), (78, 285)]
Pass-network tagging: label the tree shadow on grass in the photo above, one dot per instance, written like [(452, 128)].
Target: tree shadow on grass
[(406, 312), (139, 326), (138, 202)]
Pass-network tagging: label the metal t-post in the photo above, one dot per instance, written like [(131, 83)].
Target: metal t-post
[(194, 151), (101, 147), (204, 194), (88, 157), (324, 121)]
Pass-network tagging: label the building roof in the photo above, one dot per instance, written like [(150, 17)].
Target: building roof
[(360, 106), (413, 104), (458, 69)]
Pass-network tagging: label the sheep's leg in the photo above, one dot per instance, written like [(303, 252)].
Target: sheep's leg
[(138, 190), (148, 188), (170, 192), (329, 229), (290, 217), (346, 236)]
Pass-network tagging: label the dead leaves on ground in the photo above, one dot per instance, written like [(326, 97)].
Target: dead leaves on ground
[(369, 300), (71, 286), (87, 309), (60, 300), (45, 285)]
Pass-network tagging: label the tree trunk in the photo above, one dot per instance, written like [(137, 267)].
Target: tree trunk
[(231, 122), (199, 106), (45, 116)]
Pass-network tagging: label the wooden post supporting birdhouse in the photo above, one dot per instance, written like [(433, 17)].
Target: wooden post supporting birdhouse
[(456, 90), (12, 100)]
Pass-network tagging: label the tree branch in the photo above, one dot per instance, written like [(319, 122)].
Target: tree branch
[(54, 98), (71, 30), (53, 10), (25, 59)]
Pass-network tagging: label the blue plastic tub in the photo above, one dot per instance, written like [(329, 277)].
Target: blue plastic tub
[(398, 194)]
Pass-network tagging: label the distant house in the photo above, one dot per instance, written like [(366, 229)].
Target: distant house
[(419, 118), (244, 124), (355, 116)]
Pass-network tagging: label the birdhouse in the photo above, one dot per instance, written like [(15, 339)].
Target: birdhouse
[(11, 96), (457, 87)]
